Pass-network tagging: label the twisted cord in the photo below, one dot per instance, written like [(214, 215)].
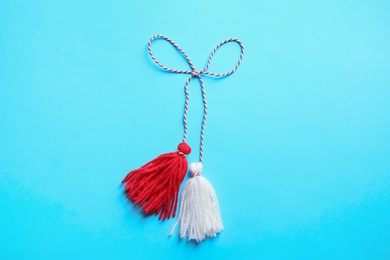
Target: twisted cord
[(198, 74)]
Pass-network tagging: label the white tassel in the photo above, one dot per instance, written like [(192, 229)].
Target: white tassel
[(199, 215)]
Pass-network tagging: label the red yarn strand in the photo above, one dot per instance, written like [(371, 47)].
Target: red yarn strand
[(155, 185)]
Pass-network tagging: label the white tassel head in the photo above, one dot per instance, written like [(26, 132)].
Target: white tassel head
[(196, 168), (199, 214)]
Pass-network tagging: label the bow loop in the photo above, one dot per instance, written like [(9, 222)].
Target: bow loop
[(193, 72), (204, 71), (177, 47)]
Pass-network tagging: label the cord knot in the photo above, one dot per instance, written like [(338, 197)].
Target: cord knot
[(195, 73)]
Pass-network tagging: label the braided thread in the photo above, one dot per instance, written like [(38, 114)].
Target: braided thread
[(198, 74)]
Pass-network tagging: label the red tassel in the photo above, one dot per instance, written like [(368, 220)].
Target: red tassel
[(155, 186)]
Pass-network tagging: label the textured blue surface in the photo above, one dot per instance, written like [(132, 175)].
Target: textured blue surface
[(297, 140)]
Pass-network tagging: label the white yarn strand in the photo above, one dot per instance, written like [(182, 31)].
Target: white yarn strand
[(199, 215)]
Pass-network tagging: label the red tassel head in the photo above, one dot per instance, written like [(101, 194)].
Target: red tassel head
[(184, 149), (155, 186)]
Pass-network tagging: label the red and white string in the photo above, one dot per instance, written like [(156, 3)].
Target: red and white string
[(198, 74)]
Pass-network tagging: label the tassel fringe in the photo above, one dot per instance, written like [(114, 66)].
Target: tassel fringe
[(155, 185), (199, 214)]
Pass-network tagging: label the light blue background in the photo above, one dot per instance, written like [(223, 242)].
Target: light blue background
[(297, 140)]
